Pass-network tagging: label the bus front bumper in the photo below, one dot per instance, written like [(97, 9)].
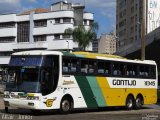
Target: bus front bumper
[(21, 103)]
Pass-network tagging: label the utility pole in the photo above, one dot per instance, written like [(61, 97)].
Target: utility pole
[(143, 30)]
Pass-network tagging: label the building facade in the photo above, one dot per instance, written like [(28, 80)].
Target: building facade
[(95, 45), (107, 44), (129, 21), (41, 29)]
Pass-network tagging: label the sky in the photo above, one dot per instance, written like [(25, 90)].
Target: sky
[(104, 10)]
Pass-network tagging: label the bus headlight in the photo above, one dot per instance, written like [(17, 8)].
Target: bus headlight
[(6, 93), (33, 98), (6, 96)]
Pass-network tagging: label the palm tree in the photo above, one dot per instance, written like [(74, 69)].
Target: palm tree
[(83, 36)]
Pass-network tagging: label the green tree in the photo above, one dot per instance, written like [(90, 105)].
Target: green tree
[(83, 36)]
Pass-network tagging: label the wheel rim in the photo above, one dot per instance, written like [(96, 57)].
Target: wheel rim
[(138, 102), (130, 103), (65, 105)]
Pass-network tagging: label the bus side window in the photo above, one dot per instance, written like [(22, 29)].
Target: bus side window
[(84, 66), (152, 72), (135, 70), (92, 67), (66, 63), (116, 69), (122, 69), (144, 71), (107, 68), (101, 67), (130, 71), (74, 65)]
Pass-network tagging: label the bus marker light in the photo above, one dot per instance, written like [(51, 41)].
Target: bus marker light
[(30, 94)]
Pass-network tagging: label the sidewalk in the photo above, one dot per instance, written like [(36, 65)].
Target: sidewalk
[(1, 103)]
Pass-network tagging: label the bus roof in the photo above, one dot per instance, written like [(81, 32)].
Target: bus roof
[(106, 57), (84, 55)]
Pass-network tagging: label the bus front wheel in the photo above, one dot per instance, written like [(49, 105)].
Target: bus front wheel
[(129, 102), (66, 105)]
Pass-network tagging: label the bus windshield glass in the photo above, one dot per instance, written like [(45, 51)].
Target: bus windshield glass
[(23, 80)]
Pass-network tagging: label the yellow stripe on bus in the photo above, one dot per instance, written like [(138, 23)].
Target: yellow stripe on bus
[(117, 96), (113, 96)]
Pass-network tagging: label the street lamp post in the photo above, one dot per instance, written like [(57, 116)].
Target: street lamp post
[(68, 45), (143, 26)]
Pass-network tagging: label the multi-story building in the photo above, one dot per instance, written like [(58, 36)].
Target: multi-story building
[(95, 45), (107, 44), (41, 29), (130, 14)]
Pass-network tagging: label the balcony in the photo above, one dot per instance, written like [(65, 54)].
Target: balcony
[(4, 60), (60, 44), (6, 47), (7, 18), (88, 16), (5, 32), (27, 45), (52, 29)]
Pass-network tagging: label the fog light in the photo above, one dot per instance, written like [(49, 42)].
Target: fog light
[(31, 104)]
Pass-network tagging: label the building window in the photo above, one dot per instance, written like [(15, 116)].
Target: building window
[(136, 38), (135, 27), (122, 32), (7, 25), (91, 22), (132, 39), (132, 29), (7, 39), (66, 20), (40, 38), (132, 19), (23, 29), (57, 36), (122, 23), (132, 9), (136, 6), (85, 22), (123, 13), (40, 23), (66, 36), (57, 20), (122, 4)]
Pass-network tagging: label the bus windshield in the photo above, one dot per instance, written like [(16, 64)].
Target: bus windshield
[(36, 74), (23, 80)]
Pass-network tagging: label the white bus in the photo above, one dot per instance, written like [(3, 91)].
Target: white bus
[(44, 80)]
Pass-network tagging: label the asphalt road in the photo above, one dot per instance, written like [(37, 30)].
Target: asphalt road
[(151, 112)]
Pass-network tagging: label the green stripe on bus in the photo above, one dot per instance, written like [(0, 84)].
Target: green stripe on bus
[(68, 54), (79, 55), (96, 91), (86, 91)]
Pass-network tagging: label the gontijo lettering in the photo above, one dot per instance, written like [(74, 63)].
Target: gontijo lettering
[(124, 82)]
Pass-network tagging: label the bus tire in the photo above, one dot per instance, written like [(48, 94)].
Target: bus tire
[(66, 105), (129, 102), (139, 102), (6, 110)]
